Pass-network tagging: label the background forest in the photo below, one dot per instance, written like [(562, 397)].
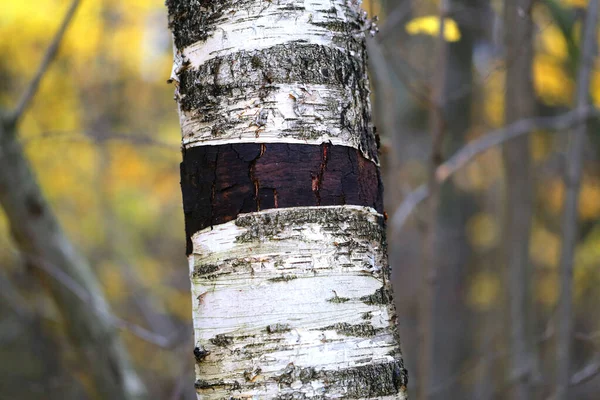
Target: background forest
[(102, 134)]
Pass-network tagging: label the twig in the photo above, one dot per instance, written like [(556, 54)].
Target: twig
[(586, 373), (494, 138), (569, 223), (84, 296), (393, 19), (84, 136), (43, 67), (429, 280)]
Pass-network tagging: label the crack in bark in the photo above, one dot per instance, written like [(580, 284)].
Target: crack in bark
[(254, 179), (317, 180)]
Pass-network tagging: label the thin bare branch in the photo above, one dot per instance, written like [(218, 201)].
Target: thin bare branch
[(429, 264), (83, 136), (572, 179), (586, 373), (49, 56), (84, 296), (494, 138)]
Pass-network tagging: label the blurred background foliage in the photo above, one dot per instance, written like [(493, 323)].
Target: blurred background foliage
[(103, 137)]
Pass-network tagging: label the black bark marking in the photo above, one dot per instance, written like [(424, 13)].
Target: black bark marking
[(194, 21), (367, 381), (220, 182), (381, 296), (200, 354), (221, 340)]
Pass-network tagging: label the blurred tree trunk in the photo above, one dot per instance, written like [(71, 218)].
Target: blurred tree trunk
[(452, 344), (572, 178), (519, 103), (283, 202), (44, 246)]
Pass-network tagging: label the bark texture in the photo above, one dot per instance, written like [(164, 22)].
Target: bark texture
[(283, 202)]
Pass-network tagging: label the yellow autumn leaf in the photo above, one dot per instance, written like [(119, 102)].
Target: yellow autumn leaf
[(589, 199), (574, 3), (553, 42), (430, 25), (113, 281), (544, 248), (494, 89), (547, 289), (551, 82), (553, 194), (482, 231), (541, 145), (483, 290), (595, 87)]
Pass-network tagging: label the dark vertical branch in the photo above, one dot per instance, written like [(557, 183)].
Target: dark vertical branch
[(573, 174), (41, 241), (519, 104), (452, 340), (429, 266), (30, 91)]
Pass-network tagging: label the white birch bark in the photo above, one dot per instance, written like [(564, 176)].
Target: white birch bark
[(289, 303), (286, 299)]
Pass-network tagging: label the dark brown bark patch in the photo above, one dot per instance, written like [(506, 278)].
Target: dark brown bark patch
[(220, 182)]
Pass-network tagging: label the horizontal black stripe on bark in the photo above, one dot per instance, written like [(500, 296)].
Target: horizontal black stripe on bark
[(220, 182)]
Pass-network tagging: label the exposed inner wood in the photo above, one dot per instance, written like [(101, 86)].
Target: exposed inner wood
[(221, 182)]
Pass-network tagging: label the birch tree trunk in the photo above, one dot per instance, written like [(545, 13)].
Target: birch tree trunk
[(283, 202)]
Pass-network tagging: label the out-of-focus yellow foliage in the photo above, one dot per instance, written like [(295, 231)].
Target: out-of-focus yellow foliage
[(551, 82), (483, 231), (553, 193), (587, 262), (544, 248), (179, 304), (103, 137), (430, 25), (589, 197), (494, 98), (552, 42), (547, 288), (595, 87), (574, 3), (112, 279), (541, 146), (484, 289), (484, 171)]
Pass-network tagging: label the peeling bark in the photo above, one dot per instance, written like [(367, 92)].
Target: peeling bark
[(283, 202)]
